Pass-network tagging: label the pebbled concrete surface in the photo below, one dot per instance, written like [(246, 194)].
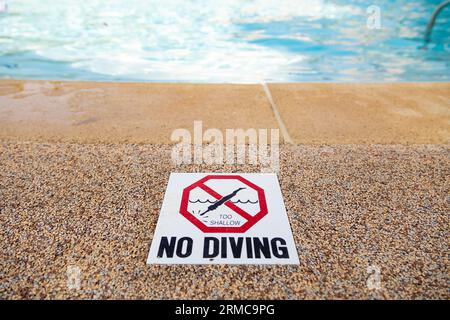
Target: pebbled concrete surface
[(350, 207), (95, 112), (319, 113), (336, 113)]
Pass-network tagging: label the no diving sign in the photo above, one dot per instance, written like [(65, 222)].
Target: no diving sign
[(223, 219)]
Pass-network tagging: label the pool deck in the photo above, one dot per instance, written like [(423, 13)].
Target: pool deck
[(91, 112), (364, 175)]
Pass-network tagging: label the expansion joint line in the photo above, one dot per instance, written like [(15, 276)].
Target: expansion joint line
[(284, 132)]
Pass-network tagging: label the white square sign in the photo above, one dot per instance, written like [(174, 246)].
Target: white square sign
[(229, 218)]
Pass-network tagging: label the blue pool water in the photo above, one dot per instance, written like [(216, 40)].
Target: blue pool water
[(223, 40)]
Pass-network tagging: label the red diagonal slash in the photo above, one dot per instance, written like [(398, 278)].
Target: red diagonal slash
[(229, 204)]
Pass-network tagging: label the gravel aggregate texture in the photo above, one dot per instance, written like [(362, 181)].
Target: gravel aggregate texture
[(95, 206)]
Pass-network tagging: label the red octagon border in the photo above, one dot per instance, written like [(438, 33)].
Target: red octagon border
[(247, 225)]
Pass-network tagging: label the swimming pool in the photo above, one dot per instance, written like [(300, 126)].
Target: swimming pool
[(223, 41)]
